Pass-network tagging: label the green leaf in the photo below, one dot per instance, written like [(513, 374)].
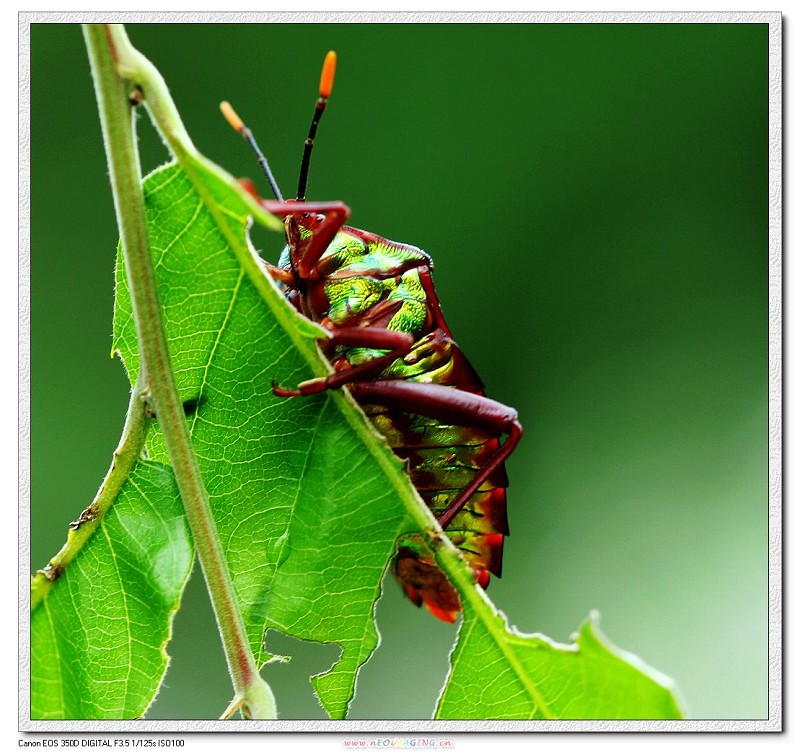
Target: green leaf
[(98, 636), (498, 673), (306, 515)]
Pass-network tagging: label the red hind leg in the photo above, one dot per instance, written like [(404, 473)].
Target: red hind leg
[(439, 402), (454, 406)]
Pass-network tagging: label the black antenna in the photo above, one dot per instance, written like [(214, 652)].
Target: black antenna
[(237, 123), (325, 87)]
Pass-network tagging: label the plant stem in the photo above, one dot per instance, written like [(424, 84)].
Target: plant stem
[(104, 42), (128, 452)]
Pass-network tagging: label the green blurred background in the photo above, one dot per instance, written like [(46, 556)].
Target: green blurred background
[(595, 199)]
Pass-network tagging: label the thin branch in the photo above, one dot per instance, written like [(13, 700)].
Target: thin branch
[(128, 452)]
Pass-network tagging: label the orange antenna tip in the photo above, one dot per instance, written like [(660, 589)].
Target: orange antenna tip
[(231, 116), (328, 70)]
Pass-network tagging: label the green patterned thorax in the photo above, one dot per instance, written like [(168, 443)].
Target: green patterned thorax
[(351, 298), (367, 276), (351, 254)]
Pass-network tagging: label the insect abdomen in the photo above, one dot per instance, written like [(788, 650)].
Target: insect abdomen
[(443, 459)]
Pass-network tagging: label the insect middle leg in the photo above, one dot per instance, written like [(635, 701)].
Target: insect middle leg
[(397, 342)]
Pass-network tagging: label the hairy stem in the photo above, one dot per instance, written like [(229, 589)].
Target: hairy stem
[(114, 86), (128, 452)]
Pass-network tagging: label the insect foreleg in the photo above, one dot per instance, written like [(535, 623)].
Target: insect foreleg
[(335, 215)]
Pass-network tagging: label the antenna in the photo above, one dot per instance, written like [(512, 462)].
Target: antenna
[(238, 125), (325, 87)]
